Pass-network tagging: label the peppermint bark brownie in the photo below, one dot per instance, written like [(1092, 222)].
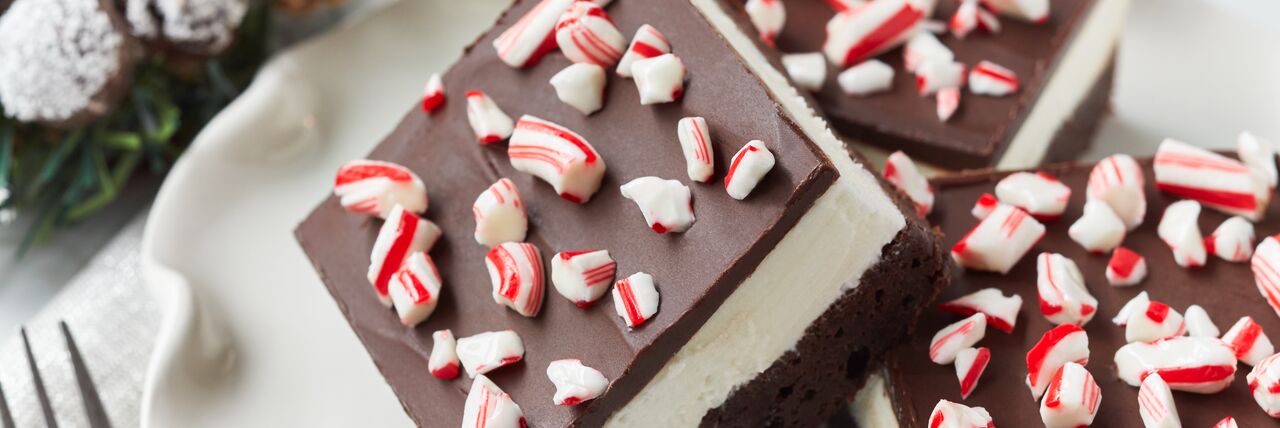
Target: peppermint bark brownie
[(758, 302)]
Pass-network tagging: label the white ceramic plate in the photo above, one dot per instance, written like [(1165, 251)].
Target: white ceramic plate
[(250, 336)]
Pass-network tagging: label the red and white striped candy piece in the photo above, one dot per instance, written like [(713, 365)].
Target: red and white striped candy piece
[(1266, 271), (489, 351), (748, 167), (515, 271), (1180, 230), (925, 47), (1248, 340), (1137, 303), (989, 78), (1118, 180), (635, 299), (965, 19), (1126, 267), (582, 276), (1064, 299), (1232, 241), (443, 362), (1099, 229), (581, 86), (401, 235), (869, 77), (375, 187), (988, 21), (487, 406), (695, 142), (934, 76), (1072, 400), (1063, 344), (998, 241), (586, 34), (575, 382), (1155, 404), (415, 289), (659, 79), (647, 43), (433, 93), (667, 205), (1036, 11), (768, 16), (1001, 311), (846, 5), (902, 172), (947, 414), (970, 363), (488, 121), (1199, 324), (807, 70), (1154, 322), (984, 206), (1040, 194), (1216, 181), (525, 42), (1227, 422), (558, 156), (861, 33), (1259, 156), (948, 100), (1203, 365), (1264, 385), (950, 340), (500, 214)]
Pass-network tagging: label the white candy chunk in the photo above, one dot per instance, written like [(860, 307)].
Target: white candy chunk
[(489, 122), (949, 341), (768, 16), (1232, 240), (1001, 311), (1155, 404), (558, 156), (1180, 230), (1126, 268), (948, 100), (531, 37), (1154, 322), (666, 204), (925, 47), (647, 43), (1118, 180), (582, 276), (1259, 156), (487, 406), (1202, 365), (1036, 11), (861, 33), (515, 272), (970, 363), (1266, 271), (989, 78), (999, 240), (488, 351), (500, 214), (866, 78), (965, 19), (1227, 422), (1064, 299), (635, 299), (748, 167), (375, 187), (401, 235), (581, 86), (1264, 385), (1063, 344), (1072, 400), (1249, 342), (1137, 303), (586, 35), (695, 143), (659, 79), (575, 382), (902, 172), (807, 70), (934, 76), (1040, 194), (1214, 180), (443, 362), (433, 93), (984, 206), (415, 289), (1199, 324), (1099, 229), (947, 414)]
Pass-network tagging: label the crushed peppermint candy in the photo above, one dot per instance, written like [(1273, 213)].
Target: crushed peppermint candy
[(948, 100), (768, 16), (402, 234), (516, 274), (950, 340), (581, 86), (934, 76), (575, 382), (659, 79), (695, 142), (1072, 399), (666, 205), (647, 43), (375, 187), (1259, 156), (489, 351), (925, 47), (1264, 385), (1099, 229), (1180, 229), (635, 299), (970, 363), (1266, 271), (807, 70), (1199, 324), (1064, 298), (1118, 181), (1214, 180), (415, 289), (489, 122), (1155, 403), (433, 93), (989, 78), (443, 362), (1232, 241), (1001, 311), (1249, 342), (1040, 194), (999, 241), (1126, 268), (1154, 322), (500, 214), (1135, 304), (902, 172), (487, 406), (1035, 11), (1202, 365), (969, 17), (582, 276), (947, 414), (748, 167), (869, 77), (1063, 344), (524, 43), (984, 206), (1230, 422), (859, 34), (586, 35), (558, 156)]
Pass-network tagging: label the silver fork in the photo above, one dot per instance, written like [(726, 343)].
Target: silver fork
[(96, 414)]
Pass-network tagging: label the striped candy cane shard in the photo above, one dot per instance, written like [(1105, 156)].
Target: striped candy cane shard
[(970, 363), (1232, 241), (433, 93), (443, 362), (1036, 11), (487, 406), (659, 79), (1118, 181), (989, 78), (1099, 229), (988, 21), (998, 241), (864, 32), (586, 34), (635, 299), (1063, 344), (401, 235), (1137, 303), (575, 383), (1201, 365), (768, 16), (500, 214), (375, 187), (950, 340), (1040, 194), (1249, 342), (667, 205), (515, 271), (1227, 422), (807, 70), (415, 289), (1214, 180), (748, 167), (965, 19), (1063, 296), (902, 172), (582, 276), (947, 414), (1001, 311), (581, 86), (1180, 230), (1126, 268), (869, 77), (934, 76), (487, 120), (985, 205), (1259, 156), (525, 42), (695, 142), (925, 47), (1154, 322), (1199, 324), (842, 6), (1266, 271), (1155, 404), (647, 43), (489, 351), (948, 100), (1072, 400), (558, 156), (1264, 385)]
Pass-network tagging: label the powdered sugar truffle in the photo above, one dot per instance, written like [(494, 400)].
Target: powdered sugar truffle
[(202, 27)]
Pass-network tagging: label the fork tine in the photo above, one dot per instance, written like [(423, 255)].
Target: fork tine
[(97, 414), (6, 418), (49, 419)]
